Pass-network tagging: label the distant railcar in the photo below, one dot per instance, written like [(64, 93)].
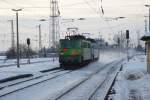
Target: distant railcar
[(77, 50)]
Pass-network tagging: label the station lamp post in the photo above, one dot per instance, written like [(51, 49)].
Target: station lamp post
[(17, 30)]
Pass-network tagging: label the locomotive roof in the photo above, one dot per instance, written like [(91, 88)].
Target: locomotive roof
[(75, 37), (79, 37)]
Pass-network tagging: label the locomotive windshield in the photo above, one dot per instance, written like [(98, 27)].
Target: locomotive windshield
[(70, 44)]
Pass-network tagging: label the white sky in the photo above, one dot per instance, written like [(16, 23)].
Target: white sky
[(133, 10)]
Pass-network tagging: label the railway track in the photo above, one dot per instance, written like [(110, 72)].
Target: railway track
[(22, 80), (102, 92), (14, 88), (11, 88), (112, 81), (75, 93)]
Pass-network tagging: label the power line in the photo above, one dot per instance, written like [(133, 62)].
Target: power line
[(90, 6), (5, 1), (41, 7), (73, 4), (109, 27), (102, 10), (101, 7), (97, 13), (12, 4)]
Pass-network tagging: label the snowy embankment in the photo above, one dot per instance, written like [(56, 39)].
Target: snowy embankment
[(133, 82), (10, 62), (34, 69)]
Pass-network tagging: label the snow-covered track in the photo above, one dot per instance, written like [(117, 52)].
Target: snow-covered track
[(22, 80), (103, 90), (30, 82), (79, 84), (112, 81), (86, 89)]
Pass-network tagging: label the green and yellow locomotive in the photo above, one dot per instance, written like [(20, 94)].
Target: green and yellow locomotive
[(77, 50)]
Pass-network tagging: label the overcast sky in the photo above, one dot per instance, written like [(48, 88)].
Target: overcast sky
[(33, 10)]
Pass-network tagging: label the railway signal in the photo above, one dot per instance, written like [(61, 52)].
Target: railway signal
[(118, 41), (127, 34), (28, 43)]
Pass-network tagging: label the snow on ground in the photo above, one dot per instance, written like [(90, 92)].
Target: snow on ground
[(106, 56), (31, 67), (34, 69), (55, 87), (14, 61), (86, 89), (48, 90), (2, 57), (133, 83)]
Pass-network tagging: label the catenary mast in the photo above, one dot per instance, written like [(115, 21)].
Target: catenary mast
[(54, 23)]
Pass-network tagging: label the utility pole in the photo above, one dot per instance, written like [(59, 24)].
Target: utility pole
[(40, 37), (17, 30), (12, 34)]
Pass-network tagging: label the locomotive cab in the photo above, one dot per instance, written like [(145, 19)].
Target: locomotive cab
[(70, 51)]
